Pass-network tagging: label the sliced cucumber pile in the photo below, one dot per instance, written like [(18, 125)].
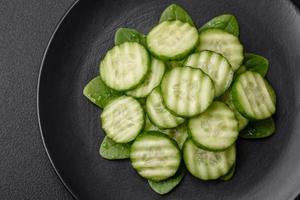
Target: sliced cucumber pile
[(176, 100)]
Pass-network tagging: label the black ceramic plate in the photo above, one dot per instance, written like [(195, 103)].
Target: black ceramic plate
[(266, 169)]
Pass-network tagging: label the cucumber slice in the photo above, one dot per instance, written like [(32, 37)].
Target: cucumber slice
[(179, 134), (215, 129), (129, 35), (151, 81), (215, 66), (259, 129), (158, 113), (242, 121), (253, 96), (175, 12), (166, 186), (224, 43), (207, 165), (125, 66), (256, 63), (155, 156), (187, 91), (172, 40), (123, 119), (229, 175), (225, 22), (114, 151), (98, 93)]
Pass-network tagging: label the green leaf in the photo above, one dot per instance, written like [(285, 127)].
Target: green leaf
[(175, 12), (98, 93), (129, 35), (114, 151), (258, 129), (165, 186), (172, 64), (229, 175), (240, 70), (256, 63), (225, 22)]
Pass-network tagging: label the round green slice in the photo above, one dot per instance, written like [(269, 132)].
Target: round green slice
[(208, 165), (172, 40), (155, 156), (125, 66), (215, 129), (253, 96), (187, 91), (123, 119)]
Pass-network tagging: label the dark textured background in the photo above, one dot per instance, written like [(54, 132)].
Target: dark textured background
[(25, 28)]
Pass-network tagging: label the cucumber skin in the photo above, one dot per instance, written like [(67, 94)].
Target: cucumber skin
[(156, 133), (189, 139), (237, 104), (175, 58), (205, 147), (184, 116), (141, 81), (142, 127)]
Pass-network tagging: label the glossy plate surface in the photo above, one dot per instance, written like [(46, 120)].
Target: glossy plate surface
[(266, 169)]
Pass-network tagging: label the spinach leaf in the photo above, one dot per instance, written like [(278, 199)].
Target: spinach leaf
[(258, 129), (98, 93), (129, 35), (256, 63), (165, 186), (225, 22), (172, 64), (175, 12), (240, 70), (114, 151), (229, 175)]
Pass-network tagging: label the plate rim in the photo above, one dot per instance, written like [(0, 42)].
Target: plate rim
[(57, 27)]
